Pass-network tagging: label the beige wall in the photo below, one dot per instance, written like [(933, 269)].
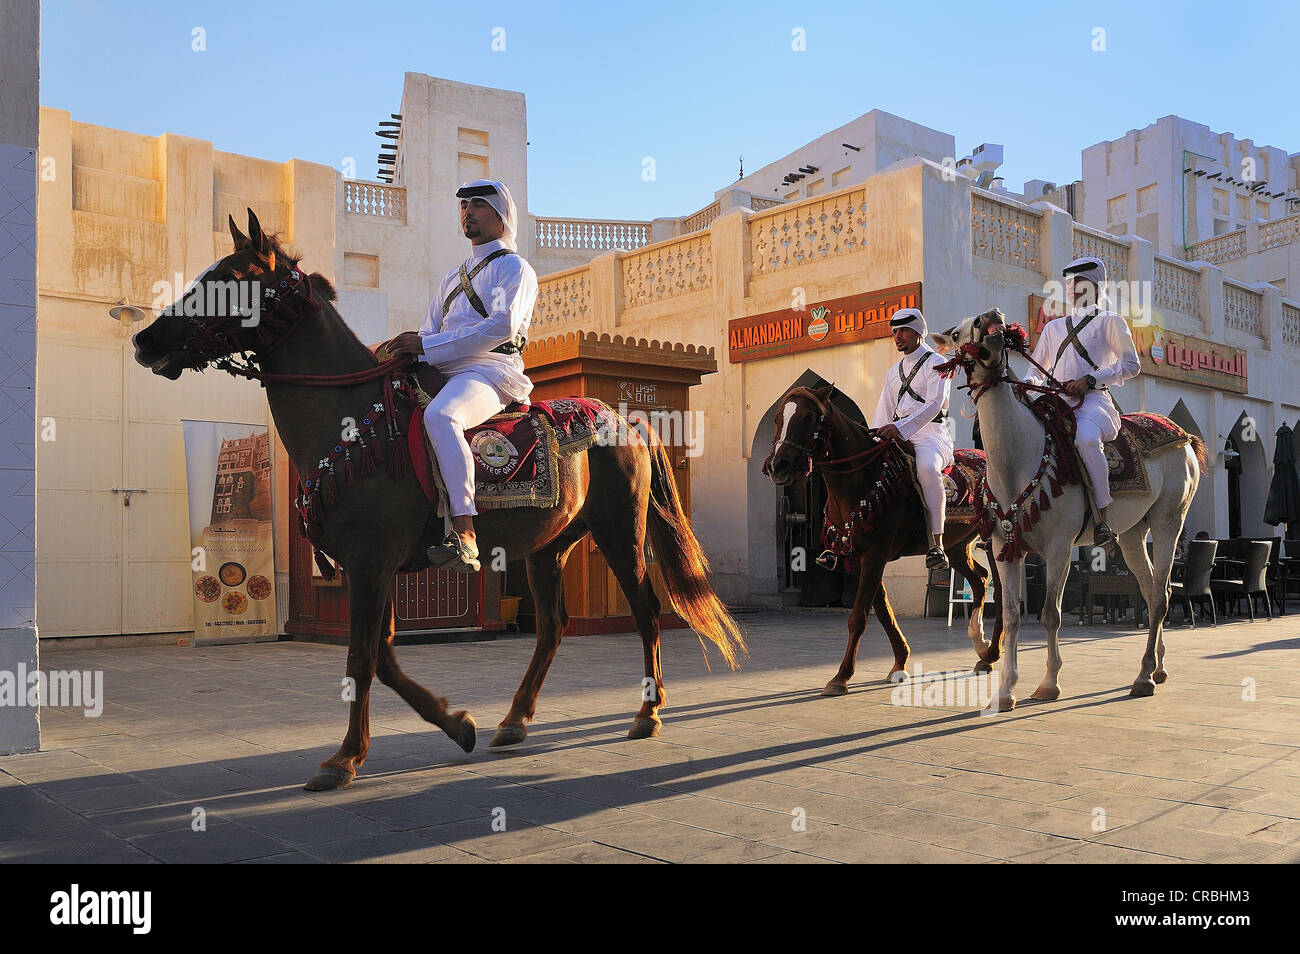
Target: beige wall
[(119, 216)]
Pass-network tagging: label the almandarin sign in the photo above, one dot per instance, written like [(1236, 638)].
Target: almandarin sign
[(825, 325)]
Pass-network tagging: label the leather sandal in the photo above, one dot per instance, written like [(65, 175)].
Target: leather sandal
[(454, 554)]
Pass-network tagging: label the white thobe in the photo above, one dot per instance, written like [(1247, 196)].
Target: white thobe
[(479, 382), (1109, 343), (915, 420)]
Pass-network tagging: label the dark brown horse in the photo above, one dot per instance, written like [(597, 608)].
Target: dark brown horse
[(851, 460), (617, 491)]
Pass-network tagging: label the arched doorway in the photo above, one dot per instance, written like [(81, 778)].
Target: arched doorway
[(783, 519), (1247, 477)]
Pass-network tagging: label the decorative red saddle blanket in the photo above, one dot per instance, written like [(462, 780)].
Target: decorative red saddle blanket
[(1141, 435), (963, 481), (516, 453)]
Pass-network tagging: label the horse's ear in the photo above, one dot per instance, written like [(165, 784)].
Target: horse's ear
[(241, 240), (255, 234), (944, 341)]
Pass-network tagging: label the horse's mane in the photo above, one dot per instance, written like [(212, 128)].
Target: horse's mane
[(319, 283), (802, 391)]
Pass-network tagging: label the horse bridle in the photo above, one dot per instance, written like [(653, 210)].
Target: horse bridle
[(808, 449), (213, 345)]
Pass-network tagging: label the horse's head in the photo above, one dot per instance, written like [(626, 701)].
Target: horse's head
[(801, 418), (236, 305), (981, 344)]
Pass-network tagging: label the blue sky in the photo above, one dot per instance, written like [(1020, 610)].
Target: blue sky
[(694, 85)]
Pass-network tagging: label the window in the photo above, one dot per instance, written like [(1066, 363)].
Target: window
[(814, 188), (1147, 198), (839, 178), (1115, 208), (360, 270)]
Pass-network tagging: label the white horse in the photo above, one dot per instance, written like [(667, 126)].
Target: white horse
[(1015, 444)]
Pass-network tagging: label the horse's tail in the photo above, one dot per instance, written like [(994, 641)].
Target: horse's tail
[(683, 563), (1198, 446)]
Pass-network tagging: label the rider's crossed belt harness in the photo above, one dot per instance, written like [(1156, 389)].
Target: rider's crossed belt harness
[(906, 387), (1072, 338), (466, 287)]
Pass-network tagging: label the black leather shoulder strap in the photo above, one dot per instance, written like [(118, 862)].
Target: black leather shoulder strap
[(466, 285)]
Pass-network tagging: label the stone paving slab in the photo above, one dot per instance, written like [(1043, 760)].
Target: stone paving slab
[(751, 767)]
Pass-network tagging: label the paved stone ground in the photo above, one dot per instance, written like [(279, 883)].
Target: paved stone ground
[(1195, 773)]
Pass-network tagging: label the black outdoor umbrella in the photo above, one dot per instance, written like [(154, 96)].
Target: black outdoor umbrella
[(1284, 493)]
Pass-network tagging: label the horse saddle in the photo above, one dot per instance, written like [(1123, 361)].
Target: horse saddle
[(1141, 436), (963, 482), (516, 455)]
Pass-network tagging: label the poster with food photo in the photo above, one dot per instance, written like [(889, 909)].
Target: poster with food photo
[(228, 473)]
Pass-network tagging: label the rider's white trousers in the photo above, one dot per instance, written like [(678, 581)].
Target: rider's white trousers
[(466, 400), (933, 453), (1097, 421)]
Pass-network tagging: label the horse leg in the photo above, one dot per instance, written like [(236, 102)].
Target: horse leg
[(960, 559), (1058, 570), (459, 726), (897, 642), (1010, 577), (546, 581), (995, 642), (619, 533), (369, 603), (1154, 583), (868, 583)]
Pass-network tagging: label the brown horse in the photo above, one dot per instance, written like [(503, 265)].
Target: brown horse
[(617, 491), (810, 432)]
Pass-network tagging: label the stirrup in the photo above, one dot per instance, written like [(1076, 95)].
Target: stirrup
[(936, 559), (454, 554), (827, 560), (1103, 535)]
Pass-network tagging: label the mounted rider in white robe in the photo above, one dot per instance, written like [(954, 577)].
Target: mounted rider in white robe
[(1090, 351), (474, 334), (913, 406)]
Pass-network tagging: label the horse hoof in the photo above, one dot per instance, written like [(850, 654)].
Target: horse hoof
[(1143, 689), (508, 735), (1046, 695), (835, 689), (468, 734), (330, 780), (1001, 704), (1160, 676), (983, 667), (644, 728)]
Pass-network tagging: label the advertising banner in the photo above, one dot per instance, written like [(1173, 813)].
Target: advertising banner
[(228, 472)]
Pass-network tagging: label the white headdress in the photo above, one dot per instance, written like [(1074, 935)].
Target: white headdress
[(495, 194), (908, 318)]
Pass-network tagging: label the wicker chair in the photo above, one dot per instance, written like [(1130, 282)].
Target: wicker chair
[(1246, 578), (1195, 582)]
